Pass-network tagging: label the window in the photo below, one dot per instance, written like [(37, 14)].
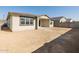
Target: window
[(26, 21), (31, 21), (22, 20)]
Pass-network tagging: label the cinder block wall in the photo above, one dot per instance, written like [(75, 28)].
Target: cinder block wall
[(67, 24), (64, 24), (74, 25)]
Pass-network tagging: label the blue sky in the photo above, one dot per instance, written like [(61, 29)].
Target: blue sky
[(68, 11)]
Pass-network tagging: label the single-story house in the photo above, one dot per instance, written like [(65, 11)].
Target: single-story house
[(61, 21), (25, 21)]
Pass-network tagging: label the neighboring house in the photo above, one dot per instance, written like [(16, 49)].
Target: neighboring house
[(61, 21), (23, 21)]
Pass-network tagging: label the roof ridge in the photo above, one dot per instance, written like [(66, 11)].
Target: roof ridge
[(58, 16), (19, 12)]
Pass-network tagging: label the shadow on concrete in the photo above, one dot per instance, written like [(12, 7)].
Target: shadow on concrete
[(66, 43), (6, 30)]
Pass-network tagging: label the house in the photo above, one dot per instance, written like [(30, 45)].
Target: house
[(61, 21), (25, 21)]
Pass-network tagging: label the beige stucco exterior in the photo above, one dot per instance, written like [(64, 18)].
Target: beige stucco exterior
[(44, 21), (41, 21), (51, 23), (16, 24), (9, 21)]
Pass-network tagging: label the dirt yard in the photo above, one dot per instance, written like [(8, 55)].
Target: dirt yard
[(66, 43), (29, 40)]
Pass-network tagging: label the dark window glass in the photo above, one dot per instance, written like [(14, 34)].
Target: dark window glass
[(31, 21), (26, 21), (22, 20)]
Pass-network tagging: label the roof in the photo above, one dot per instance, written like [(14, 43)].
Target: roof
[(45, 15), (69, 19), (24, 14), (58, 18), (21, 14)]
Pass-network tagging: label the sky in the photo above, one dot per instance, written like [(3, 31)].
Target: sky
[(51, 11)]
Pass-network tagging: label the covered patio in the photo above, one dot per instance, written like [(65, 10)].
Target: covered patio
[(43, 21)]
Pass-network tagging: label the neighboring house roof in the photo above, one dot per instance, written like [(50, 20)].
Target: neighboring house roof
[(68, 19), (59, 18)]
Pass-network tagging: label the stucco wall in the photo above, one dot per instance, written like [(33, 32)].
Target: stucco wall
[(51, 23), (16, 25), (9, 22), (44, 22)]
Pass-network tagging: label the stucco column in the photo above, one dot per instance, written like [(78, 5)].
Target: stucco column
[(34, 23), (37, 22)]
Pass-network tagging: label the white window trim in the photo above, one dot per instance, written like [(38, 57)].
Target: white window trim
[(26, 21)]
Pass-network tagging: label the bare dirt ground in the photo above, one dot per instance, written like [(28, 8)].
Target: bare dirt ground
[(29, 40), (66, 43)]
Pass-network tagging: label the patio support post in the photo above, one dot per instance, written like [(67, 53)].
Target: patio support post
[(36, 23)]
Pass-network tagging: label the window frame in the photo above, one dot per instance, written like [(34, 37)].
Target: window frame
[(29, 20)]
